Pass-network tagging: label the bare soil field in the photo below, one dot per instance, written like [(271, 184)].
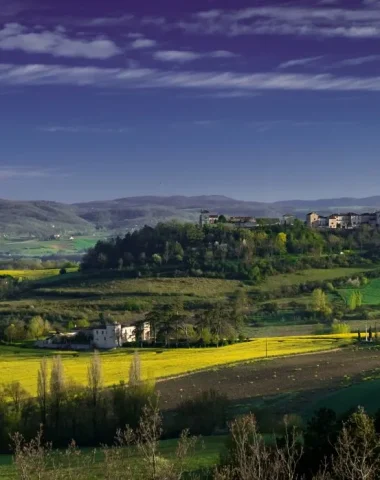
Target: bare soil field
[(310, 376)]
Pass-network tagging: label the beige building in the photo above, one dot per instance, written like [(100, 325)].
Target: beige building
[(312, 219)]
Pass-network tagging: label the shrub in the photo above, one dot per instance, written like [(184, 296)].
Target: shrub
[(134, 306), (319, 329), (339, 327)]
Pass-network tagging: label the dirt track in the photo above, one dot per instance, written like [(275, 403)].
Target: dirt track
[(304, 373)]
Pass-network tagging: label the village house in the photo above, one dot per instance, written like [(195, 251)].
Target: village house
[(207, 219)]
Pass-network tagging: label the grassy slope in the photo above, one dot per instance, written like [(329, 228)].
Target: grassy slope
[(22, 364), (308, 276), (206, 455), (146, 287), (365, 393), (76, 295)]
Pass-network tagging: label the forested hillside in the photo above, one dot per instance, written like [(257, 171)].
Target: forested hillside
[(229, 252)]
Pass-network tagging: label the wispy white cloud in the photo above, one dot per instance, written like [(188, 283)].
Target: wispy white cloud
[(108, 21), (267, 125), (323, 21), (156, 21), (17, 75), (356, 61), (299, 62), (140, 43), (176, 56), (221, 54), (232, 94), (8, 172), (82, 129), (16, 37), (183, 56), (372, 3), (134, 35), (226, 94)]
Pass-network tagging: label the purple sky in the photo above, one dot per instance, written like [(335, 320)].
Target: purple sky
[(252, 99)]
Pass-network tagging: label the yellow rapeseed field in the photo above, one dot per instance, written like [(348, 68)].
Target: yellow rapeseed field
[(34, 274), (22, 365)]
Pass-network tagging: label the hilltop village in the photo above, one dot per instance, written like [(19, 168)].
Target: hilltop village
[(348, 220), (343, 220)]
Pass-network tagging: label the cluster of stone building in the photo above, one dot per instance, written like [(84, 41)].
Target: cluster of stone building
[(348, 220), (206, 218)]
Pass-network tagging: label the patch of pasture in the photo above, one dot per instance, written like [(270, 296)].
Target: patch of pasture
[(370, 292)]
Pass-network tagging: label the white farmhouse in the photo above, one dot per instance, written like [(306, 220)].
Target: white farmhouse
[(114, 335)]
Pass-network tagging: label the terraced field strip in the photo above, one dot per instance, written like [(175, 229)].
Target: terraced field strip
[(311, 275)]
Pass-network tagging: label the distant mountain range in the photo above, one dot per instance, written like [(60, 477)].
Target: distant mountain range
[(44, 218)]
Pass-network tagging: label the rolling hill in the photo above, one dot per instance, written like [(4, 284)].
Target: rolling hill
[(40, 219), (44, 218)]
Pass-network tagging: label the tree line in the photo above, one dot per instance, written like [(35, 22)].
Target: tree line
[(171, 325), (91, 414)]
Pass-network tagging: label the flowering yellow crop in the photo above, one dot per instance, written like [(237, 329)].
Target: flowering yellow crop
[(34, 274), (22, 365)]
